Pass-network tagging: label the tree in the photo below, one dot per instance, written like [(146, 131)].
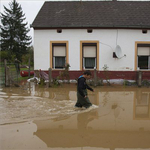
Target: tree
[(29, 55), (14, 38)]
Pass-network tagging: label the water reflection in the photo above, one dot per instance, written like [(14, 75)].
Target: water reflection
[(121, 121), (142, 105), (85, 130)]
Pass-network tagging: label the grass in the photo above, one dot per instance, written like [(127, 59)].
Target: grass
[(26, 69)]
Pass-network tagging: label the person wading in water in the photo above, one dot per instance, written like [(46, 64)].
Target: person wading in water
[(82, 95)]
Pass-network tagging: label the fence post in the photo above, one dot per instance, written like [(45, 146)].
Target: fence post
[(29, 69), (139, 78), (50, 76), (7, 80), (95, 77)]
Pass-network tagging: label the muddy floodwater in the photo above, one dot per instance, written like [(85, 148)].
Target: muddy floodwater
[(38, 118)]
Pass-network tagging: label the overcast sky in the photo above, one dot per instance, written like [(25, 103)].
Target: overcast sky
[(32, 7)]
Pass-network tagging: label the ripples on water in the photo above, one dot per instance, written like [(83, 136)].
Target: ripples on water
[(47, 118), (16, 107)]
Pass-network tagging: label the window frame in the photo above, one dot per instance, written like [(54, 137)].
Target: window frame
[(89, 43), (141, 44), (84, 58), (57, 43)]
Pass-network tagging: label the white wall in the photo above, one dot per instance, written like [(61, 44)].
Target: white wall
[(126, 39)]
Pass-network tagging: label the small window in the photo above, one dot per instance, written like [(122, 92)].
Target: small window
[(89, 30), (59, 30), (144, 31), (143, 57), (89, 56), (59, 56)]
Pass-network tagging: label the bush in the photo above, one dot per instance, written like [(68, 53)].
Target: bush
[(146, 83), (128, 83)]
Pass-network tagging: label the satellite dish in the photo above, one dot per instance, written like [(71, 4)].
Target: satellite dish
[(118, 51)]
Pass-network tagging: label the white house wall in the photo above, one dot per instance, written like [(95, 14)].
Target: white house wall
[(108, 41)]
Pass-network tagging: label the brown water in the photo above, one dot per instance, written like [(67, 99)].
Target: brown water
[(44, 118)]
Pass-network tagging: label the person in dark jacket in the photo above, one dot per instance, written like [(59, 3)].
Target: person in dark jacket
[(82, 95)]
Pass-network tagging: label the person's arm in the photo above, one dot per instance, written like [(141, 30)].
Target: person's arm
[(81, 86), (89, 88)]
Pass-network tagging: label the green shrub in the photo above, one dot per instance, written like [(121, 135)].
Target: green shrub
[(7, 55)]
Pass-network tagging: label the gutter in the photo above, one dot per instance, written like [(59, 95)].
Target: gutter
[(93, 27)]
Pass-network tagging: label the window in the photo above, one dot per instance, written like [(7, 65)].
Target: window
[(59, 54), (89, 51), (89, 30), (59, 30), (144, 31), (143, 56)]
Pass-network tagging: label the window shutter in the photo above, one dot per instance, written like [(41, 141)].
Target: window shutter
[(89, 51), (59, 50), (144, 51)]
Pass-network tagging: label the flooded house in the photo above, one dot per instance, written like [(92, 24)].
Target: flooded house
[(101, 35)]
